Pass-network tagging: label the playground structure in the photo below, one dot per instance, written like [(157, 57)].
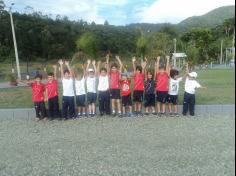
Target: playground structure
[(178, 60)]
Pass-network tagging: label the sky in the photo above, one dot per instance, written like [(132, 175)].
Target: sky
[(121, 12)]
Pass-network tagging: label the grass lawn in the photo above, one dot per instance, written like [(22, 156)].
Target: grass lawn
[(119, 147), (220, 85)]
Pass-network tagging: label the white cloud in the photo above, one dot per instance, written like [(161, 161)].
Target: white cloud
[(111, 2), (176, 10), (74, 9)]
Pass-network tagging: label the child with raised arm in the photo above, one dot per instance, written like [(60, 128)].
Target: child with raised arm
[(38, 96), (114, 79), (189, 95), (138, 86), (126, 95), (162, 86), (103, 89), (52, 94), (67, 77), (149, 92), (173, 92), (91, 88), (80, 92)]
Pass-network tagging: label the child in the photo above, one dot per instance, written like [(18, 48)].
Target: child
[(162, 86), (103, 90), (91, 88), (173, 92), (189, 95), (52, 94), (126, 94), (149, 95), (114, 79), (68, 105), (38, 96), (80, 93), (138, 86)]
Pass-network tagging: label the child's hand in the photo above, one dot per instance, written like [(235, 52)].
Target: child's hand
[(88, 62), (94, 62), (133, 59), (67, 63), (60, 62), (54, 67), (145, 59), (144, 64)]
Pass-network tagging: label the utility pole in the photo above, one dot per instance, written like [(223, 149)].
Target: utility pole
[(233, 47), (221, 51), (15, 44)]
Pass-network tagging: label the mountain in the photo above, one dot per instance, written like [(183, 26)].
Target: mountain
[(211, 19)]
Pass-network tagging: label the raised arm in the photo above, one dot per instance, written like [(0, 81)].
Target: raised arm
[(120, 63), (98, 68), (55, 71), (94, 67), (61, 68), (144, 64), (157, 63), (155, 70), (133, 63), (70, 69), (107, 63), (168, 65)]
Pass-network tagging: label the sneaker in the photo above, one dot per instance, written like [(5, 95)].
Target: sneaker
[(146, 113), (176, 114), (171, 114), (130, 114), (154, 113), (120, 115), (140, 114)]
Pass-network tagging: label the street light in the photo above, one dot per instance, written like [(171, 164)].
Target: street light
[(15, 44)]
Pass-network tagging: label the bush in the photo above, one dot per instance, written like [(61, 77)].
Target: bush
[(11, 78)]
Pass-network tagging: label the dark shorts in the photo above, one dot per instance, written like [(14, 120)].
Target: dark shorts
[(91, 97), (162, 96), (172, 99), (149, 100), (126, 100), (138, 96), (115, 94), (80, 100)]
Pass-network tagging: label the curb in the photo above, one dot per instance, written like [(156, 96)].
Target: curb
[(229, 110)]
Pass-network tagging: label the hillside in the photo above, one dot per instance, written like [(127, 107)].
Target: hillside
[(211, 19)]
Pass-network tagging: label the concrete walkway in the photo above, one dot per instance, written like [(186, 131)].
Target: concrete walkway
[(200, 110)]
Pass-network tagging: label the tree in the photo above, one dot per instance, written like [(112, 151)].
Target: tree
[(142, 46), (88, 44)]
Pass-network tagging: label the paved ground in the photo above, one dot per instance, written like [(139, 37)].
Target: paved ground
[(118, 147)]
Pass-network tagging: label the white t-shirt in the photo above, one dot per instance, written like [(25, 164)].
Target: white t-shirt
[(68, 88), (80, 87), (174, 86), (191, 85), (103, 83), (91, 84)]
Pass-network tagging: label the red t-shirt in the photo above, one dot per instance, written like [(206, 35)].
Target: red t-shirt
[(37, 92), (139, 81), (162, 82), (125, 88), (52, 89), (115, 80)]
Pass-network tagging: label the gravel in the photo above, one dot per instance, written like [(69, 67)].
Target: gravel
[(118, 147)]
